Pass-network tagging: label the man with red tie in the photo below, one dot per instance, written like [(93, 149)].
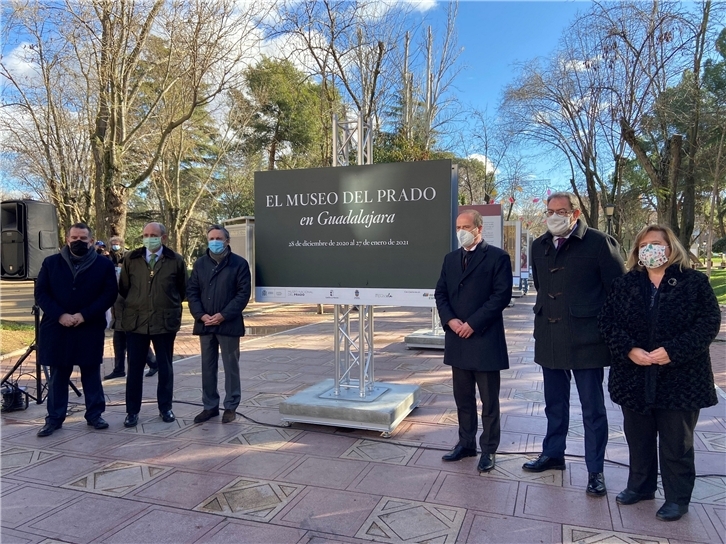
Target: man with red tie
[(573, 267)]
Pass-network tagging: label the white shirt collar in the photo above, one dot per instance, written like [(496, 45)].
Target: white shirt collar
[(157, 253)]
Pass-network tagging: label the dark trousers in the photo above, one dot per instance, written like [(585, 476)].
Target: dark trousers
[(138, 348), (229, 345), (119, 353), (58, 393), (465, 397), (664, 434), (594, 417)]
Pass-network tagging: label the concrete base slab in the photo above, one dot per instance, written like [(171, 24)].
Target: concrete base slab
[(315, 405), (425, 338)]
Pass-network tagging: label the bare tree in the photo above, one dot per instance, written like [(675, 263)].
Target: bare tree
[(441, 71), (204, 44), (648, 48), (557, 105), (43, 120)]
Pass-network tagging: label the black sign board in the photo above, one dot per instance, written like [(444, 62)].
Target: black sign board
[(374, 234)]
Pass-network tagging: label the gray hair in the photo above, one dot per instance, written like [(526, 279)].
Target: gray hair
[(564, 194), (219, 227), (162, 228)]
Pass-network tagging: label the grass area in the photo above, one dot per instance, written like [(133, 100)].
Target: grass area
[(718, 282), (13, 326), (15, 336)]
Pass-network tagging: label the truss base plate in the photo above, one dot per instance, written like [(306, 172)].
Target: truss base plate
[(382, 414), (353, 394), (425, 338)]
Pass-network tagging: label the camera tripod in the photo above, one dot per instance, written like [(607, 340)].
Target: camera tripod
[(16, 390)]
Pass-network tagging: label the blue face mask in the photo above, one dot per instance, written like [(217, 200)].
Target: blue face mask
[(216, 246)]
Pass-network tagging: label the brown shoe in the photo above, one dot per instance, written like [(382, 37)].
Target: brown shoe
[(228, 416), (204, 415)]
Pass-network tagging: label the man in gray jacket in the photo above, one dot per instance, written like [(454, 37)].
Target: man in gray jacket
[(153, 285), (218, 292)]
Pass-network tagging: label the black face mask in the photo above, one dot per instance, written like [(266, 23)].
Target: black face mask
[(79, 248)]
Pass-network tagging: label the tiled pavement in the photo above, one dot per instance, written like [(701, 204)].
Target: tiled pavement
[(253, 481)]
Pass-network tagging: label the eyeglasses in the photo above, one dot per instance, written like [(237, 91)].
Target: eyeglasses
[(561, 212)]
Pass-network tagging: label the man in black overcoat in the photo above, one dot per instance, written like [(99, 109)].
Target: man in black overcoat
[(218, 291), (573, 267), (474, 289), (74, 289)]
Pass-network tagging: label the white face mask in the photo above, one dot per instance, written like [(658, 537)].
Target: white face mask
[(558, 225), (465, 238)]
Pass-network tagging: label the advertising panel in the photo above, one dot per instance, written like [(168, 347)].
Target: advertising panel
[(374, 234)]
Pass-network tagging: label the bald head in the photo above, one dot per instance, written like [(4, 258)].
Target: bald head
[(154, 229)]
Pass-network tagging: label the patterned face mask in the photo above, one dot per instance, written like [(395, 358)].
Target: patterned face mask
[(652, 256)]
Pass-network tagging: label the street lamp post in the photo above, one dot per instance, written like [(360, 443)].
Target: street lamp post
[(609, 211)]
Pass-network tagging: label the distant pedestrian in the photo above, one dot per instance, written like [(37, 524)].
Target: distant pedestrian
[(218, 291), (659, 321), (74, 289)]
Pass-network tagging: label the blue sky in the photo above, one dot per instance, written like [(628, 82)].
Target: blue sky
[(495, 37)]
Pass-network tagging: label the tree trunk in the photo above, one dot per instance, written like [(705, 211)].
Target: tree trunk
[(116, 209)]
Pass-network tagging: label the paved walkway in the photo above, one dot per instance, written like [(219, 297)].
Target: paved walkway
[(254, 481)]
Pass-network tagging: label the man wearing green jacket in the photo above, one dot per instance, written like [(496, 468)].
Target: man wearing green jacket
[(153, 285)]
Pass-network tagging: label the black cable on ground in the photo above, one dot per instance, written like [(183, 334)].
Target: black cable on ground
[(380, 440)]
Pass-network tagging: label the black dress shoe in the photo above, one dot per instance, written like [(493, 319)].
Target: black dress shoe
[(596, 484), (115, 374), (671, 511), (486, 462), (167, 416), (99, 424), (458, 453), (48, 429), (205, 415), (626, 496), (543, 463), (151, 372), (131, 420)]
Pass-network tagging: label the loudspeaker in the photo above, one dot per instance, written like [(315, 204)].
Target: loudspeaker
[(28, 234)]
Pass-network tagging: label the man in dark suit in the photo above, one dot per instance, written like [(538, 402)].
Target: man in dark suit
[(573, 267), (74, 289), (474, 289)]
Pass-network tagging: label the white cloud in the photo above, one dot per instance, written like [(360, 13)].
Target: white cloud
[(482, 159), (422, 5), (19, 62)]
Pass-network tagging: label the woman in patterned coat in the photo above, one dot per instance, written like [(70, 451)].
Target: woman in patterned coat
[(659, 321)]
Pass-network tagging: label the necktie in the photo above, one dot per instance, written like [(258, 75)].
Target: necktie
[(467, 257), (152, 260), (560, 241)]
